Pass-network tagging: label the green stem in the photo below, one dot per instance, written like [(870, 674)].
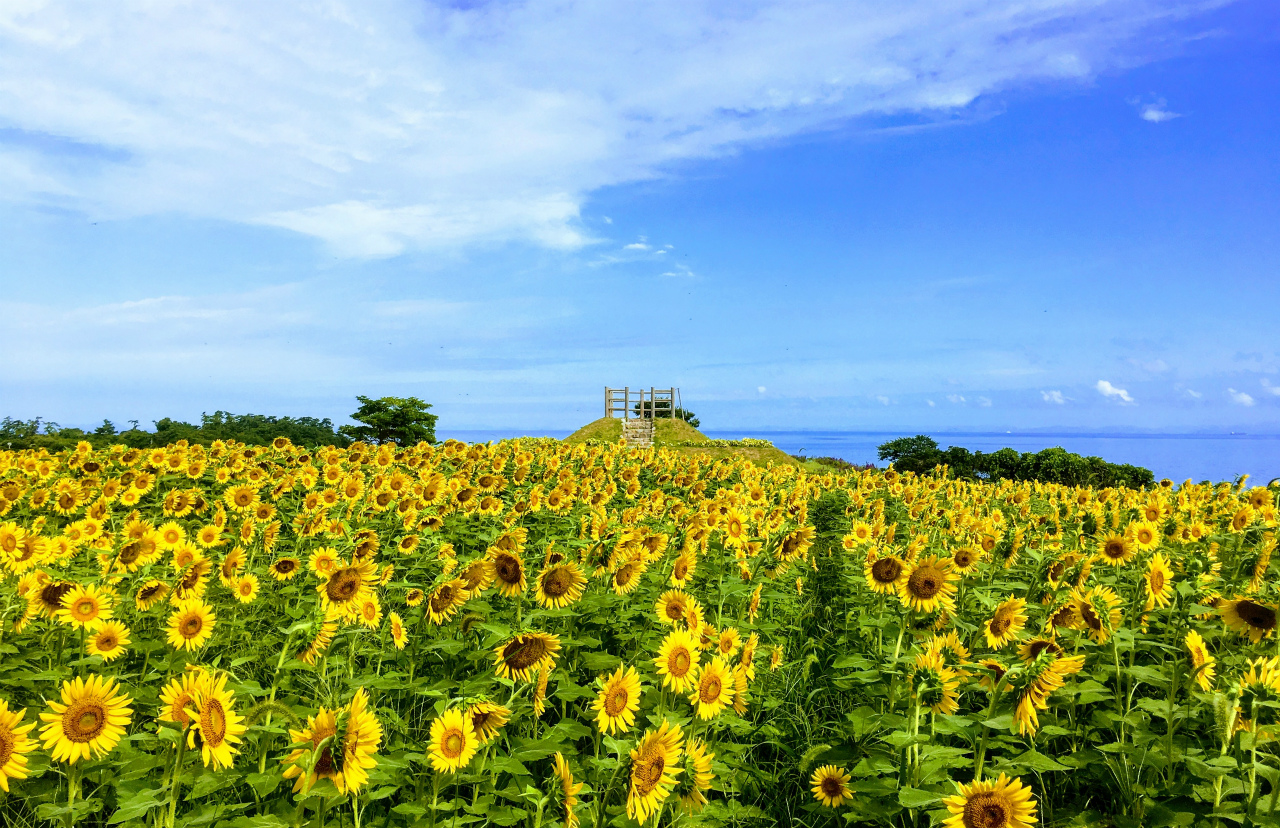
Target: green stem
[(73, 787), (176, 786)]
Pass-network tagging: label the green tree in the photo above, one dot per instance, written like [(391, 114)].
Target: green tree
[(400, 420), (917, 454)]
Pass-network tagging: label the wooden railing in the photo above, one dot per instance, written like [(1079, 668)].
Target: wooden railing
[(661, 402)]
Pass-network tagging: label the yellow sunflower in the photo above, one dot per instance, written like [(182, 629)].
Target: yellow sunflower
[(653, 770), (677, 660), (1202, 662), (713, 689), (1099, 612), (929, 586), (618, 701), (509, 573), (934, 684), (109, 641), (86, 607), (831, 786), (285, 569), (885, 573), (568, 789), (698, 777), (1116, 549), (1145, 535), (453, 741), (487, 719), (1008, 620), (150, 594), (446, 600), (179, 695), (560, 585), (246, 588), (1004, 803), (399, 637), (15, 744), (88, 722), (191, 625), (525, 653), (347, 587), (1249, 617), (1159, 581), (627, 576), (217, 726)]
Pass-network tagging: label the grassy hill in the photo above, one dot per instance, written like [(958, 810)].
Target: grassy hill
[(669, 431)]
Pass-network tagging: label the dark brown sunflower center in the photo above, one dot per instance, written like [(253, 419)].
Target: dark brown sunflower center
[(557, 582), (675, 610), (1256, 615), (107, 641), (679, 662), (6, 747), (51, 596), (1035, 648), (832, 787), (964, 557), (524, 652), (647, 773), (343, 585), (886, 570), (925, 582), (709, 689), (507, 569), (286, 566), (1114, 549), (1090, 618), (1001, 622), (191, 626), (985, 810), (625, 572), (453, 743), (1157, 581), (84, 720)]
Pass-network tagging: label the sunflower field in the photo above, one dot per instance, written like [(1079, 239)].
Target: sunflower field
[(533, 633)]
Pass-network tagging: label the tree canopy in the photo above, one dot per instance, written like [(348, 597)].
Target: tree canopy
[(404, 421)]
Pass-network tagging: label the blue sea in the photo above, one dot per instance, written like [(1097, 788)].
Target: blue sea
[(1176, 456)]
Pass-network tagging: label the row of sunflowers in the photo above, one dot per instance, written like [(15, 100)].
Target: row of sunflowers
[(536, 633)]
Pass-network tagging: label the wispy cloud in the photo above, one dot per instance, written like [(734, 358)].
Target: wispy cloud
[(985, 402), (1240, 397), (1270, 389), (1054, 397), (395, 125), (955, 399), (1109, 391)]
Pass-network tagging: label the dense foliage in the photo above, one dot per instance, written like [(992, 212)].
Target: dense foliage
[(920, 454), (662, 408), (530, 633)]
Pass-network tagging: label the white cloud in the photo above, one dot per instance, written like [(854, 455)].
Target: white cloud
[(1240, 397), (1193, 394), (1108, 390), (955, 398), (883, 400), (395, 124), (984, 402), (637, 246), (1053, 397), (760, 389), (1272, 389), (1156, 112), (931, 403)]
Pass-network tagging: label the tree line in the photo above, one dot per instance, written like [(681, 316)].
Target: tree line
[(399, 420), (920, 454)]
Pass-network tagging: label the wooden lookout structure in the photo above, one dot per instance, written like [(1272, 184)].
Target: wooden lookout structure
[(647, 403), (638, 407)]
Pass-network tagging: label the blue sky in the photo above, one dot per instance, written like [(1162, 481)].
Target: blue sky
[(864, 215)]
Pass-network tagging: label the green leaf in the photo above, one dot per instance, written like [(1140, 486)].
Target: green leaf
[(137, 805), (915, 798)]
